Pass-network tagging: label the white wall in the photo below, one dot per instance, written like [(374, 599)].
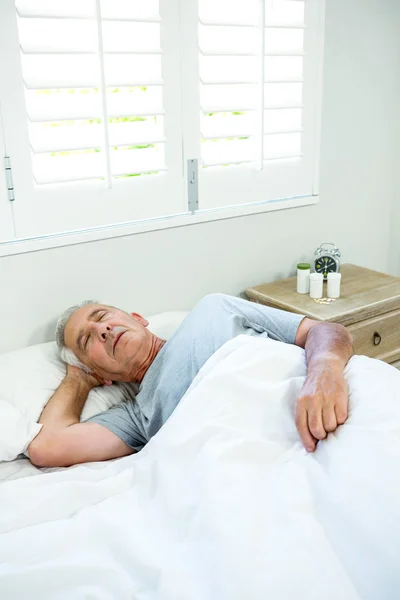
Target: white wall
[(394, 258), (172, 269)]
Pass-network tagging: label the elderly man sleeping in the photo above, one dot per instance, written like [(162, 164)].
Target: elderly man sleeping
[(102, 344)]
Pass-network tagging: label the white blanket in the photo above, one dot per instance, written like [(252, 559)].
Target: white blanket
[(223, 503)]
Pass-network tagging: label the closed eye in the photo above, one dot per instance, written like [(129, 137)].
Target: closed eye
[(101, 317), (86, 342)]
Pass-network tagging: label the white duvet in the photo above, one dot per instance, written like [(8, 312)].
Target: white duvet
[(223, 503)]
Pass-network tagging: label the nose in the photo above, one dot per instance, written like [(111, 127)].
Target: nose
[(105, 332)]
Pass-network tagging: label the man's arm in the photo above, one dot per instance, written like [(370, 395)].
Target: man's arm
[(63, 440), (323, 401), (65, 406)]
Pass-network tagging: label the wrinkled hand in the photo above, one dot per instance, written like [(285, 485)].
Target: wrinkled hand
[(89, 380), (322, 404)]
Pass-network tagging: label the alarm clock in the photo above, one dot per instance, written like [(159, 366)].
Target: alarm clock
[(327, 259)]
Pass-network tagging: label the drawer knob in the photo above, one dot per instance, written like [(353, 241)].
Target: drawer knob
[(377, 338)]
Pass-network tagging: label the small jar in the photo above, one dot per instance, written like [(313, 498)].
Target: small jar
[(316, 285), (303, 278), (334, 285)]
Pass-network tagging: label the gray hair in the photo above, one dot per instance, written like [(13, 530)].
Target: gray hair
[(66, 353)]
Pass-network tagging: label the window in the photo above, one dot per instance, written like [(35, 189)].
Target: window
[(104, 102)]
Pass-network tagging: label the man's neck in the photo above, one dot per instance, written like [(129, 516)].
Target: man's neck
[(155, 349)]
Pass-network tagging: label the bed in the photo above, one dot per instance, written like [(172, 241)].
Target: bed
[(223, 503)]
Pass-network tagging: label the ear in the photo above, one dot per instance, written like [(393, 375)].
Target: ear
[(141, 319), (101, 380)]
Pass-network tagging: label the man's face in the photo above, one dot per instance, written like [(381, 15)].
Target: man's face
[(113, 344)]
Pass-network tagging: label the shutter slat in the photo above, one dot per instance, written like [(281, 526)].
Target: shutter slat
[(131, 37), (282, 94), (79, 137), (57, 106), (277, 121), (246, 124), (130, 134), (53, 36), (225, 98), (128, 70), (283, 157), (206, 109), (86, 104), (76, 9), (226, 22), (228, 40), (217, 11), (231, 41), (231, 69), (282, 144), (81, 166), (275, 25), (238, 81), (59, 169), (222, 98), (148, 160), (226, 12), (227, 152), (277, 145), (217, 126), (53, 51), (134, 10), (136, 102), (271, 53), (227, 128), (288, 12), (43, 72), (76, 17), (227, 69), (61, 138), (73, 71)]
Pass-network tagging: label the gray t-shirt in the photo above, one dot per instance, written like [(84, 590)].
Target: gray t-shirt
[(216, 319)]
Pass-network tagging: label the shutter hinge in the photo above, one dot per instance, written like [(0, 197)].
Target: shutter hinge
[(193, 188), (9, 179)]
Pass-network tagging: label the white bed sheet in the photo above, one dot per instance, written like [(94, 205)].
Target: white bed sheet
[(223, 503), (22, 467), (17, 469)]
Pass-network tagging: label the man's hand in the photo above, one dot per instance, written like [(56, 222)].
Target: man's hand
[(323, 401), (322, 404), (89, 380)]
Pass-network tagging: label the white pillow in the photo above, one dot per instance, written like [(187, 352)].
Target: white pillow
[(165, 324), (30, 376)]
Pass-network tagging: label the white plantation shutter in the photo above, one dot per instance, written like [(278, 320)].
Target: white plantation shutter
[(252, 103), (105, 103), (100, 141)]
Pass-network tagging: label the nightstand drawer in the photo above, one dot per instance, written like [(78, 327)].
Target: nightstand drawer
[(378, 337)]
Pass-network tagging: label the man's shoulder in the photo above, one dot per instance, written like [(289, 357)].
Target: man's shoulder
[(209, 309), (216, 299)]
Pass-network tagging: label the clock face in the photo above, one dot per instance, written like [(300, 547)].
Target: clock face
[(325, 265)]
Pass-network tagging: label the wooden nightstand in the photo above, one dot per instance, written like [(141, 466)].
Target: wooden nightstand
[(369, 307)]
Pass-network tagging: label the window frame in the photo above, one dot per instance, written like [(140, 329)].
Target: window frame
[(10, 245)]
